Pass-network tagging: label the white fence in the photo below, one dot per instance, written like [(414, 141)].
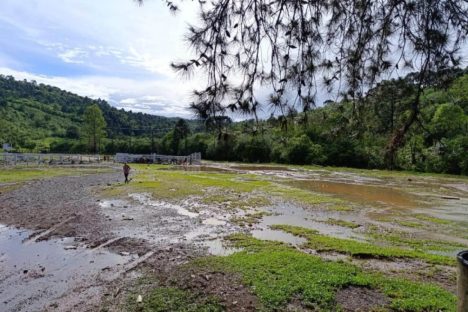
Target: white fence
[(14, 159), (192, 159)]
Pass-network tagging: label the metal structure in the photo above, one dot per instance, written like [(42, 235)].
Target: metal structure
[(16, 159), (192, 159)]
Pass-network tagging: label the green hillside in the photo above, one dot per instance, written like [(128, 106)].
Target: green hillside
[(38, 117)]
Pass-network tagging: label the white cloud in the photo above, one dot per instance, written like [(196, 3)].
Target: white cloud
[(75, 55)]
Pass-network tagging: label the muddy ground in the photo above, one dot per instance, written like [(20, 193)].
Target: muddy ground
[(67, 245)]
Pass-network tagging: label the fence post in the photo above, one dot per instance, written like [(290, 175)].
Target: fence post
[(463, 281)]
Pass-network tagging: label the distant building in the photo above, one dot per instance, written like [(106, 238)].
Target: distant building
[(7, 147)]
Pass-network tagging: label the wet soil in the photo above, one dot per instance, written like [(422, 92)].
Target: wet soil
[(228, 288), (32, 273), (77, 245), (359, 299), (64, 247), (68, 201)]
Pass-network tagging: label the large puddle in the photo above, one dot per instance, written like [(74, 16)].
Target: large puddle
[(360, 193), (34, 273)]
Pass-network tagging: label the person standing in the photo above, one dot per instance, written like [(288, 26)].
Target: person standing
[(126, 171)]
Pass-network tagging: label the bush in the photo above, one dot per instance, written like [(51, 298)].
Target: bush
[(254, 149), (301, 150)]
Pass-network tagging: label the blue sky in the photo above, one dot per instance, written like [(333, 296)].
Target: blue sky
[(110, 49)]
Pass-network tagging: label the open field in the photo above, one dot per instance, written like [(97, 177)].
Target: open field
[(226, 236)]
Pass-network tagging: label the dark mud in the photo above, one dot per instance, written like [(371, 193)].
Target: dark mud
[(359, 299)]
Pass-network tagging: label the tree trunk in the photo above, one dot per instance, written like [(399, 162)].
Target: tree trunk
[(398, 138)]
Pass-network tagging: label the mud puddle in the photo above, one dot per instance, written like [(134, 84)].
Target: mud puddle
[(452, 210), (162, 223), (360, 193), (34, 274), (290, 214), (218, 247), (266, 233)]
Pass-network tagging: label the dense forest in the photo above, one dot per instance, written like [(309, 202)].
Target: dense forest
[(36, 117)]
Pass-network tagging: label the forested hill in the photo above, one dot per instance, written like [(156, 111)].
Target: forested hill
[(34, 115)]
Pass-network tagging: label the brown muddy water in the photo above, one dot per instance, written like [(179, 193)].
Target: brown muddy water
[(360, 193)]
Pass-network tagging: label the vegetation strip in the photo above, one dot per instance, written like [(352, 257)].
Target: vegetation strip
[(359, 249)]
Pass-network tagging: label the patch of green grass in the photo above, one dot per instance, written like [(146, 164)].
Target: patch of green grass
[(360, 249), (340, 207), (403, 240), (21, 174), (397, 218), (171, 184), (231, 188), (302, 196), (164, 299), (427, 218), (410, 224), (278, 274), (233, 200), (342, 223), (250, 218)]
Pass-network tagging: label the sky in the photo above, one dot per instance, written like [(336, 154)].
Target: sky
[(110, 49)]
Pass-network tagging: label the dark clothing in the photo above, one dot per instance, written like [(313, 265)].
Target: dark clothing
[(126, 170)]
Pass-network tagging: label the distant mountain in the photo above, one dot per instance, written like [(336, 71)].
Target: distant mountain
[(33, 114)]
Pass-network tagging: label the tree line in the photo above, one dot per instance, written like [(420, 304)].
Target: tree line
[(335, 134)]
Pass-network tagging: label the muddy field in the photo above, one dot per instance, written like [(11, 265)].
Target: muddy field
[(229, 237)]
